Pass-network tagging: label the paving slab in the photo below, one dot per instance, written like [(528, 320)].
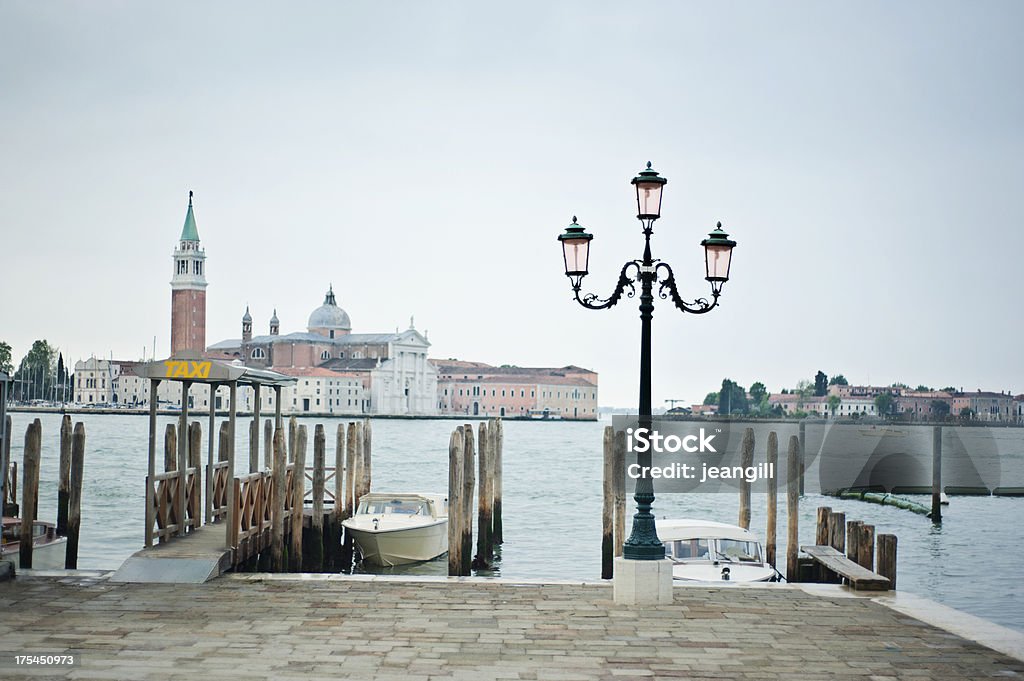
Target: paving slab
[(246, 626)]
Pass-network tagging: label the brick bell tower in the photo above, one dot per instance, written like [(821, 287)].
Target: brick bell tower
[(188, 290)]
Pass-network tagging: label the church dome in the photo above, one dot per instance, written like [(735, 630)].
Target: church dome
[(329, 316)]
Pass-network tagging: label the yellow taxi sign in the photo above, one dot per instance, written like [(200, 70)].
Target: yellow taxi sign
[(180, 368)]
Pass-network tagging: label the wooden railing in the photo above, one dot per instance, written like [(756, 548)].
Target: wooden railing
[(168, 515), (220, 490), (250, 519), (329, 473)]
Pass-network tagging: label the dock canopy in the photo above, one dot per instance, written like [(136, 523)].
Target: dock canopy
[(195, 369)]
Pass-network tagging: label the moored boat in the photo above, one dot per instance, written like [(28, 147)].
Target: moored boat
[(48, 548), (395, 529), (708, 551)]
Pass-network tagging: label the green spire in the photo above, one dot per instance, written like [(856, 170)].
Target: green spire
[(189, 231)]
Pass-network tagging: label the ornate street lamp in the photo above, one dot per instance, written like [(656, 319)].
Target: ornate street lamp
[(643, 542)]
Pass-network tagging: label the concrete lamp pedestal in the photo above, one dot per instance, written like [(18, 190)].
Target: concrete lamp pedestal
[(642, 582)]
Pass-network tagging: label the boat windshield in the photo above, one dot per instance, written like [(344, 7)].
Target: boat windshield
[(738, 550), (687, 549), (397, 506)]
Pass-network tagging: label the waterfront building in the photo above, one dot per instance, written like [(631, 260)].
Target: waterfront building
[(920, 405), (339, 372), (479, 389), (985, 406)]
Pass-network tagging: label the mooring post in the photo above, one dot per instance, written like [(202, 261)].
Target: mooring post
[(853, 539), (75, 496), (497, 537), (254, 447), (292, 424), (211, 434), (268, 444), (170, 447), (484, 499), (179, 498), (10, 476), (793, 508), (316, 525), (837, 531), (866, 546), (367, 456), (608, 506), (771, 531), (195, 460), (619, 491), (821, 531), (747, 461), (338, 510), (277, 496), (351, 473), (29, 488), (936, 514), (887, 558), (803, 450), (298, 495), (64, 479), (456, 446), (468, 495)]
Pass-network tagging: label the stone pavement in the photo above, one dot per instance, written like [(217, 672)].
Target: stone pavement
[(244, 627)]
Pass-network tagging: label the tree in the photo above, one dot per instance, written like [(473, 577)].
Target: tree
[(966, 413), (711, 398), (838, 379), (883, 403), (940, 409), (757, 392), (833, 404), (804, 389), (922, 389), (732, 399), (34, 376), (5, 358), (820, 384), (950, 389)]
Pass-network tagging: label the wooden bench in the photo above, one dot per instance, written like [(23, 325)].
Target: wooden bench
[(859, 578)]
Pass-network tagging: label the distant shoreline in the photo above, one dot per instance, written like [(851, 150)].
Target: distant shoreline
[(144, 411)]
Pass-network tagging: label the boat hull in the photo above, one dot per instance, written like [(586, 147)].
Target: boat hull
[(400, 546), (703, 573), (48, 556)]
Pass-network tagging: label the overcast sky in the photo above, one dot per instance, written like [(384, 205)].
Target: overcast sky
[(423, 157)]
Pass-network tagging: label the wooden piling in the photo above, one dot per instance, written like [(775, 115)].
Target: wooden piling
[(866, 546), (316, 525), (298, 495), (64, 478), (837, 531), (292, 424), (268, 444), (853, 539), (12, 486), (608, 507), (772, 459), (333, 538), (499, 442), (75, 496), (29, 489), (803, 450), (170, 447), (195, 460), (366, 456), (887, 558), (793, 508), (351, 471), (747, 461), (367, 459), (254, 446), (456, 446), (936, 514), (468, 495), (821, 532), (619, 492), (484, 547), (277, 497)]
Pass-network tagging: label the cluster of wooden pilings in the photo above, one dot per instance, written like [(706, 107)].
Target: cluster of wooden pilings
[(859, 547), (275, 521), (462, 484), (69, 487)]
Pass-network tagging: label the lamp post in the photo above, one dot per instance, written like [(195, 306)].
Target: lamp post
[(643, 542)]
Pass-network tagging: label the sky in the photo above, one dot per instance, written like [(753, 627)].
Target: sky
[(423, 157)]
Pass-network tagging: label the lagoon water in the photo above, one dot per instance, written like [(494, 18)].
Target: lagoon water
[(974, 561)]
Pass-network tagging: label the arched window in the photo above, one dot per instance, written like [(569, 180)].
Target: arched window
[(259, 353), (326, 354)]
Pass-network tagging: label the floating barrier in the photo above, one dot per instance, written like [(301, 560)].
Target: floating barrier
[(885, 500)]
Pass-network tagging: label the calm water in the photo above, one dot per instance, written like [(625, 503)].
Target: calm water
[(552, 506)]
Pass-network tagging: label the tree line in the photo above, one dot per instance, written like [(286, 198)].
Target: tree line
[(40, 375)]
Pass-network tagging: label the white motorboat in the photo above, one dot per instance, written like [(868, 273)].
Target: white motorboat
[(48, 548), (395, 529), (707, 551)]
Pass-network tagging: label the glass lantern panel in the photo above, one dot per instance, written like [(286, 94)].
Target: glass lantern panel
[(576, 252), (648, 198), (718, 258)]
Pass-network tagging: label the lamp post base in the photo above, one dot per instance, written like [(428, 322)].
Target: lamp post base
[(642, 582)]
